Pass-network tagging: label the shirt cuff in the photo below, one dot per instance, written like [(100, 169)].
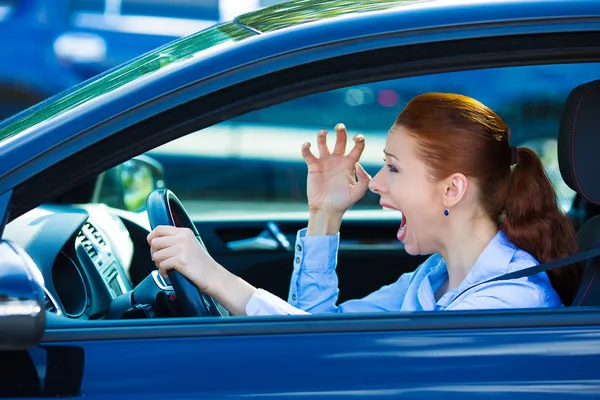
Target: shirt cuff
[(266, 303), (316, 253)]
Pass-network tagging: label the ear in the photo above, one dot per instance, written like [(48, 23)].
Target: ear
[(455, 187)]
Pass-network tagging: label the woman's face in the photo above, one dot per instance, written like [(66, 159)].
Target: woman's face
[(404, 184)]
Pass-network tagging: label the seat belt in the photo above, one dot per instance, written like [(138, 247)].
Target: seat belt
[(536, 269)]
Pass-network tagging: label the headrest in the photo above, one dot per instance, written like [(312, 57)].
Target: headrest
[(579, 141)]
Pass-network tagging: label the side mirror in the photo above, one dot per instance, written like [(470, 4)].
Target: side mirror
[(22, 311), (127, 185)]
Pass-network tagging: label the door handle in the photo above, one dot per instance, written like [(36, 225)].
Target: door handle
[(270, 239), (264, 241)]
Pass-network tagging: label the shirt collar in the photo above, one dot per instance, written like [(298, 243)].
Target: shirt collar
[(426, 291), (493, 261)]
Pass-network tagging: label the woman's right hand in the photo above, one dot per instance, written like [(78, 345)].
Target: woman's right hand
[(332, 187)]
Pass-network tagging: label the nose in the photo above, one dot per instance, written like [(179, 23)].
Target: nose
[(376, 184)]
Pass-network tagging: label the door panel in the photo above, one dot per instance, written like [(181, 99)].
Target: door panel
[(527, 363), (368, 249)]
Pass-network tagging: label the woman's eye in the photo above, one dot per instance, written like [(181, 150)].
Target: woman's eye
[(391, 168)]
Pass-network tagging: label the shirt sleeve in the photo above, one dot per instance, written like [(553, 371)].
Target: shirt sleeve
[(314, 282), (266, 303)]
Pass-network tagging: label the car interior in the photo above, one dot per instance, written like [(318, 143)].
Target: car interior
[(246, 199)]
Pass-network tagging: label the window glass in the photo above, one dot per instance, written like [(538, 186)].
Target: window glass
[(188, 9), (252, 163)]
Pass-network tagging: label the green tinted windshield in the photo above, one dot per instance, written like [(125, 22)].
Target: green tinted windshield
[(145, 65), (302, 11)]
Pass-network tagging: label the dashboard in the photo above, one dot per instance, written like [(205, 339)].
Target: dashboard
[(85, 254)]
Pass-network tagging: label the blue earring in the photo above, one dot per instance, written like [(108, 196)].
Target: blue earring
[(446, 212)]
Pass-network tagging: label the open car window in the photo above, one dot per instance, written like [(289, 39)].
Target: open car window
[(252, 163)]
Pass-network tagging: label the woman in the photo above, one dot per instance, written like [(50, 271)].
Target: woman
[(479, 206)]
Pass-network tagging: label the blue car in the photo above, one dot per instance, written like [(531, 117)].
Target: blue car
[(48, 46), (206, 132)]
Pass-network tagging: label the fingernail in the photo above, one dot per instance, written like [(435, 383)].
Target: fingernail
[(359, 138), (322, 132), (340, 126)]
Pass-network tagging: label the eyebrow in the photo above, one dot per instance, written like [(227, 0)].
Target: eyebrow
[(390, 155)]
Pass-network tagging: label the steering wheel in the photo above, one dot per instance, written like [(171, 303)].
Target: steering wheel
[(164, 208)]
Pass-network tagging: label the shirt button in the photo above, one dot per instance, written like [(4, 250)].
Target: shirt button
[(297, 260), (294, 297), (299, 248)]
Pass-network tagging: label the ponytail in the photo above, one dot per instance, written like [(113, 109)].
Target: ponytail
[(533, 222)]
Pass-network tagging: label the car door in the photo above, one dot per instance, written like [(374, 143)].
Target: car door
[(247, 203), (461, 356)]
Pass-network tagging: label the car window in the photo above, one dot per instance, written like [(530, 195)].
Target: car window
[(252, 163), (188, 9)]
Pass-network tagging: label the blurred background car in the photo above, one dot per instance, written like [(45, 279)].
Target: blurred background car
[(48, 46)]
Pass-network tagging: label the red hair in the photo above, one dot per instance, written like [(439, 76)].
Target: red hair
[(456, 133)]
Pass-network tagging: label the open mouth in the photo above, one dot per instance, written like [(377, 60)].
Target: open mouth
[(402, 229)]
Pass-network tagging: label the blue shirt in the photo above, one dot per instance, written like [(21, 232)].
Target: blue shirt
[(314, 283)]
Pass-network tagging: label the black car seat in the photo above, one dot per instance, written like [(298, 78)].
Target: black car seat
[(582, 210), (579, 161)]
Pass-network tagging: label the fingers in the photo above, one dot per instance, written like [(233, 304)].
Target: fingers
[(165, 230), (322, 143), (166, 265), (165, 254), (363, 183), (339, 148), (309, 157), (359, 146), (163, 243), (161, 230), (362, 175), (341, 139)]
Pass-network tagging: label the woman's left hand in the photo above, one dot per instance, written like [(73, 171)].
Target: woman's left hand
[(178, 249)]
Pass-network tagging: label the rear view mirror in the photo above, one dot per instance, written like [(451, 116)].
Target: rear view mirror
[(22, 313), (127, 185)]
